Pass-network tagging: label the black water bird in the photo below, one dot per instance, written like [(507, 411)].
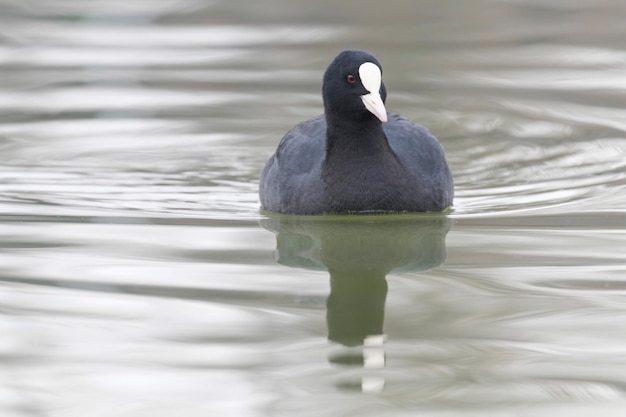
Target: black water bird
[(356, 157)]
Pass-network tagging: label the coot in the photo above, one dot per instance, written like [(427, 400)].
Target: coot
[(356, 157)]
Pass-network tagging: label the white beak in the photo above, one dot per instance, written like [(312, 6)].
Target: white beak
[(375, 105), (371, 78)]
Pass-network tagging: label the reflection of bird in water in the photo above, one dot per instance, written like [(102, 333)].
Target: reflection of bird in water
[(359, 252)]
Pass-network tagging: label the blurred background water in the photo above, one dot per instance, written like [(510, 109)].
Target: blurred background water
[(139, 278)]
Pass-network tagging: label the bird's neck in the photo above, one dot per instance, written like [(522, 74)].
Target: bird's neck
[(349, 139)]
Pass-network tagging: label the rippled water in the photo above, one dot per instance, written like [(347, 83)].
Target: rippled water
[(139, 278)]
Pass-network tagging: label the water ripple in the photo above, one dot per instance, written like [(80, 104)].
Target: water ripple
[(134, 276)]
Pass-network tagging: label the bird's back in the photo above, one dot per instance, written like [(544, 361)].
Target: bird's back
[(293, 173), (422, 155), (292, 181)]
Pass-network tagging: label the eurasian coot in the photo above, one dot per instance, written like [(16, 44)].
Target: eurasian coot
[(356, 157)]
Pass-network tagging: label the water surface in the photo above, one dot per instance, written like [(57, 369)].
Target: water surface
[(139, 278)]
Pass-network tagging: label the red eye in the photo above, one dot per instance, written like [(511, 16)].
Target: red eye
[(351, 79)]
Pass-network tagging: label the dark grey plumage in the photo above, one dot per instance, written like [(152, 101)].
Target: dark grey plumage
[(348, 161)]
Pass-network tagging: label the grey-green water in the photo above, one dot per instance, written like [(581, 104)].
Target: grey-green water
[(139, 278)]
